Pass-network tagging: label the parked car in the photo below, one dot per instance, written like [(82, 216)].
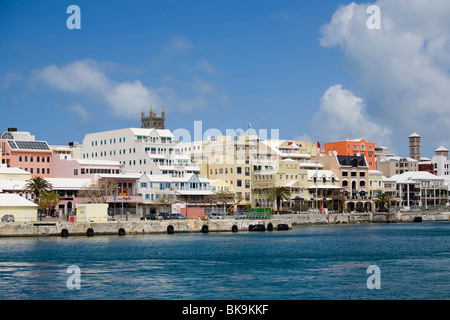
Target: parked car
[(164, 215), (216, 215), (8, 218), (150, 216), (177, 216)]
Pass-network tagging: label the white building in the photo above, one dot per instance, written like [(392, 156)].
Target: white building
[(441, 162), (421, 188), (147, 151)]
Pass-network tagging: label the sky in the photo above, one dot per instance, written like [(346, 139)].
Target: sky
[(313, 70)]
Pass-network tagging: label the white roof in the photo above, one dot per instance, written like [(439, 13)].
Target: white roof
[(412, 176), (97, 162), (12, 184), (13, 170), (69, 183), (414, 135), (14, 200), (320, 173), (441, 148)]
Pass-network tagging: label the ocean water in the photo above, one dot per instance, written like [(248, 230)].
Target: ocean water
[(306, 263)]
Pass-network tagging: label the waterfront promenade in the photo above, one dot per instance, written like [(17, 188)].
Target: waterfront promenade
[(57, 227)]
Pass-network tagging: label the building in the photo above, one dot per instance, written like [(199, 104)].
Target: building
[(22, 209), (63, 166), (393, 165), (147, 151), (441, 162), (414, 146), (353, 147), (353, 174), (376, 185), (421, 188), (13, 173), (21, 150), (153, 120)]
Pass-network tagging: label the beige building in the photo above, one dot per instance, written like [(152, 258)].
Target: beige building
[(353, 173), (240, 161), (390, 166), (7, 173), (92, 212), (22, 209)]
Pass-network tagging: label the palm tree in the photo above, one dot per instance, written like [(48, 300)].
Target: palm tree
[(48, 200), (279, 194), (37, 185), (383, 200)]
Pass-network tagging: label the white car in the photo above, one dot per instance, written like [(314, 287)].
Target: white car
[(215, 215)]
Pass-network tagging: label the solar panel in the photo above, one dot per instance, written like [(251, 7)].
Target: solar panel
[(12, 144), (31, 145)]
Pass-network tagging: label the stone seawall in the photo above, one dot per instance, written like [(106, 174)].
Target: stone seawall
[(371, 217), (33, 229), (58, 228)]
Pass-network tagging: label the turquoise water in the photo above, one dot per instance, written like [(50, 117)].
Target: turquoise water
[(307, 262)]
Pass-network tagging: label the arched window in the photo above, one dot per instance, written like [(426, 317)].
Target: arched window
[(362, 183), (345, 183)]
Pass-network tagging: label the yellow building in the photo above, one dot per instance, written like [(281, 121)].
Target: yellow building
[(15, 174), (22, 209), (92, 212), (376, 184)]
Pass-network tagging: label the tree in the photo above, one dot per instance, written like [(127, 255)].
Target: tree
[(383, 200), (37, 185), (48, 200), (227, 199), (279, 194), (99, 191)]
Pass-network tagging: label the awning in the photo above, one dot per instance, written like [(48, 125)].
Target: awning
[(313, 199)]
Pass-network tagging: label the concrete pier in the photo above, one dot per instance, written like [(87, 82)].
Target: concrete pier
[(59, 228), (51, 227)]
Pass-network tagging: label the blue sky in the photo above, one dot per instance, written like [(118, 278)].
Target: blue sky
[(283, 65)]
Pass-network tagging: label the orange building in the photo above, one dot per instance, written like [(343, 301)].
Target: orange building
[(20, 150), (353, 147)]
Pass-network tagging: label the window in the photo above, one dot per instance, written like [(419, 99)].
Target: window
[(344, 173), (239, 183), (362, 174), (362, 183), (20, 158), (31, 158), (239, 170), (345, 183), (75, 172), (353, 174), (48, 159)]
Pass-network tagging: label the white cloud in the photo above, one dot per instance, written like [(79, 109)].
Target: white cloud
[(124, 99), (343, 115), (404, 67), (207, 66), (79, 111)]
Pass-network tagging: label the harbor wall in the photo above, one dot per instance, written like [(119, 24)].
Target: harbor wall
[(63, 228)]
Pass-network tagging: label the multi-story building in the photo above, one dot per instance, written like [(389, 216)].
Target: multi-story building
[(440, 161), (353, 147), (393, 165), (21, 150), (421, 189), (147, 151), (376, 185), (353, 173)]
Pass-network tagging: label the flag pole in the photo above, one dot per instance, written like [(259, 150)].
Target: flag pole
[(317, 177)]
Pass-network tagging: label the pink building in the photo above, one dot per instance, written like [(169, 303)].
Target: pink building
[(63, 166)]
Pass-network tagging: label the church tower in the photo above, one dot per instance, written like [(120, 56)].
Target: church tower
[(153, 120), (414, 146)]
